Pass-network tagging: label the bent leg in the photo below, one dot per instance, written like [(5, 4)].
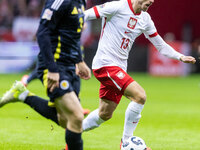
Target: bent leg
[(19, 93), (40, 105), (133, 112), (135, 93), (69, 107), (106, 109), (98, 116), (71, 116)]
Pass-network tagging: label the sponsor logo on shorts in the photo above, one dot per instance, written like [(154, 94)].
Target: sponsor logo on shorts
[(120, 75), (64, 84)]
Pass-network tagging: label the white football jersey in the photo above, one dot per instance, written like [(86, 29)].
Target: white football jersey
[(120, 27)]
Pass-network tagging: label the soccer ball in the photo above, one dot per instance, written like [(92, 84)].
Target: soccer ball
[(134, 143)]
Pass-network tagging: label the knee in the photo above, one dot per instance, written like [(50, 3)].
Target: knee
[(74, 122), (105, 115), (62, 121), (78, 119), (141, 98)]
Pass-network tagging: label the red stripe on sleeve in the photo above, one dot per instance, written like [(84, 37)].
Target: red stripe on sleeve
[(96, 12), (153, 35)]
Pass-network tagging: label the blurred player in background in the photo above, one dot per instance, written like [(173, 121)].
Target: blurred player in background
[(59, 41), (26, 79), (122, 22)]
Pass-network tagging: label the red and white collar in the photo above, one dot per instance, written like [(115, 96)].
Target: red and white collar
[(131, 7)]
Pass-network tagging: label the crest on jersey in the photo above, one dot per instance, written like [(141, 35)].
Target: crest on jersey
[(64, 84), (120, 75), (132, 23), (47, 14), (74, 11)]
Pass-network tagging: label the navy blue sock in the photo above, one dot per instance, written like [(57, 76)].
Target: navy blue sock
[(41, 106), (73, 140)]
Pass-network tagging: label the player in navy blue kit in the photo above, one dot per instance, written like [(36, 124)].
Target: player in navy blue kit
[(59, 41), (26, 79)]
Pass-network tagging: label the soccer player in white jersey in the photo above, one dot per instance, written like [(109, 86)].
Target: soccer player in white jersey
[(122, 22)]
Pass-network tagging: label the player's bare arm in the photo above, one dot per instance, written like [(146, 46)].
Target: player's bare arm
[(83, 71)]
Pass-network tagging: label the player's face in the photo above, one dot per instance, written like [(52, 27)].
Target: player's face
[(145, 4)]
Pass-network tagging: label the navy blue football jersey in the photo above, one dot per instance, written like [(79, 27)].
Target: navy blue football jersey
[(59, 33)]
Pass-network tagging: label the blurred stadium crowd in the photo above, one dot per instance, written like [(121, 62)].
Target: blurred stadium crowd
[(11, 10), (19, 20)]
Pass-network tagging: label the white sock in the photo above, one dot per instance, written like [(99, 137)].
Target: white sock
[(132, 117), (92, 121), (23, 96)]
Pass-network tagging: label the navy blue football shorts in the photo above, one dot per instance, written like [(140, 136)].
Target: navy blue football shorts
[(68, 82)]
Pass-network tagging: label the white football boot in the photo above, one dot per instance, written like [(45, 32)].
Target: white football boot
[(18, 92)]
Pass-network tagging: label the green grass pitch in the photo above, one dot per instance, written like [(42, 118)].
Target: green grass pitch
[(170, 119)]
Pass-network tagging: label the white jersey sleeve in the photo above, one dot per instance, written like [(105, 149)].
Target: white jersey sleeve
[(151, 34), (105, 10), (150, 29), (164, 48)]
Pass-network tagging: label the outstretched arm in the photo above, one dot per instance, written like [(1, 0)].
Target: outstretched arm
[(168, 51)]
